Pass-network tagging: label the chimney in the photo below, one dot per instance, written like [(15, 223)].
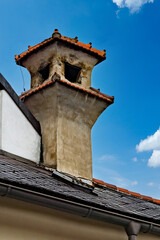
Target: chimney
[(63, 101)]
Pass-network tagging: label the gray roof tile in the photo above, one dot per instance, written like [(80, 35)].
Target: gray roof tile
[(29, 176)]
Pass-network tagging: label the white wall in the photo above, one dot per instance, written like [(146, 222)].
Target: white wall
[(17, 135)]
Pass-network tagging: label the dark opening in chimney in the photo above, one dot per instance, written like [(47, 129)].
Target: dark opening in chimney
[(44, 72), (72, 72)]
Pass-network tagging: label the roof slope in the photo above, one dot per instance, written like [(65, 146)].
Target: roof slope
[(102, 197), (56, 36), (109, 99)]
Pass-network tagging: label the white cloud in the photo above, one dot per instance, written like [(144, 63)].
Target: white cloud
[(154, 160), (134, 159), (143, 160), (151, 143), (114, 177), (133, 5), (107, 157), (134, 183), (150, 184), (117, 13)]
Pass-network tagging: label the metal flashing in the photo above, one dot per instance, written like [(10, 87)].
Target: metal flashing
[(81, 182), (17, 158)]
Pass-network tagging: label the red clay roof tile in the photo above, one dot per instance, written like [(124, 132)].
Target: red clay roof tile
[(135, 194), (57, 36), (150, 199), (156, 201), (98, 181), (147, 198), (123, 190), (107, 98), (110, 186)]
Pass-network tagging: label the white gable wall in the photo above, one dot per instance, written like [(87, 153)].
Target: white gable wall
[(17, 135)]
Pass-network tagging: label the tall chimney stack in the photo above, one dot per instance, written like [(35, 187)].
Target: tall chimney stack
[(63, 101)]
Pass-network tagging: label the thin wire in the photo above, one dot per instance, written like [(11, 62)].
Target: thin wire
[(22, 78)]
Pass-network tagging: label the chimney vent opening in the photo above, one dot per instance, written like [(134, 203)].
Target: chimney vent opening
[(44, 72), (72, 73)]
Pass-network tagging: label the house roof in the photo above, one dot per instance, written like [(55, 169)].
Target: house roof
[(4, 85), (103, 196), (92, 91), (56, 36), (102, 183)]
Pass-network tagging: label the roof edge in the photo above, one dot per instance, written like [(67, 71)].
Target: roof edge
[(109, 99), (4, 85), (56, 36), (73, 207), (113, 187)]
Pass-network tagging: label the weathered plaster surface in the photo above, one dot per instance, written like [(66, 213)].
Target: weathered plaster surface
[(16, 133), (56, 55), (66, 116)]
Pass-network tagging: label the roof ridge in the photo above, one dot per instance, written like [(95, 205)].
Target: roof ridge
[(50, 82), (114, 187), (57, 36)]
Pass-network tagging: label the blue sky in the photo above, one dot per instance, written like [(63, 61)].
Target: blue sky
[(129, 31)]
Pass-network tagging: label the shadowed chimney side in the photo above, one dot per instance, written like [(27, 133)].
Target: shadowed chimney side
[(62, 100)]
